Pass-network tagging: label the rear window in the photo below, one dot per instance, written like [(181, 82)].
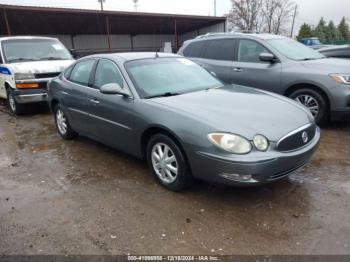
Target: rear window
[(222, 49), (195, 49)]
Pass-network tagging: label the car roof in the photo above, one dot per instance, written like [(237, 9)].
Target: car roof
[(24, 37), (132, 56)]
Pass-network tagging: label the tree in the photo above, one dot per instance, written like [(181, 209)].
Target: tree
[(245, 14), (284, 11), (261, 15), (305, 31), (343, 29), (333, 33), (321, 30)]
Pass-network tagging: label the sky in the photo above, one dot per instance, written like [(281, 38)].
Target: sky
[(310, 11)]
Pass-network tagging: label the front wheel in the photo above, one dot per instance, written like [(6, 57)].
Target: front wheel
[(168, 163), (15, 108), (313, 101), (62, 124)]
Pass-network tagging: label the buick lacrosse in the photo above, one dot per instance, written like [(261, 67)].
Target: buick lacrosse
[(182, 119)]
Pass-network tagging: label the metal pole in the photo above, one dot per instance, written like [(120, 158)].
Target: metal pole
[(101, 2), (7, 23), (214, 7), (109, 40), (295, 14), (176, 37)]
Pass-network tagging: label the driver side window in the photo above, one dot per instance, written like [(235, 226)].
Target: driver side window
[(249, 51), (107, 73)]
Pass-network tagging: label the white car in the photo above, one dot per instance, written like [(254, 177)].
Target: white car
[(26, 65)]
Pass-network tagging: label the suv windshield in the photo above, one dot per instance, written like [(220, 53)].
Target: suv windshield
[(294, 50), (26, 50), (169, 76)]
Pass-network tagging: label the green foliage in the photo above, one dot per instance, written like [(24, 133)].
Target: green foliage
[(343, 29), (305, 31), (327, 33)]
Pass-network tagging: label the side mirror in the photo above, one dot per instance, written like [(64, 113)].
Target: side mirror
[(114, 89), (267, 57)]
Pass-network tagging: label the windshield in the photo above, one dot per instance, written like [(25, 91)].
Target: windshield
[(26, 50), (169, 76), (294, 50)]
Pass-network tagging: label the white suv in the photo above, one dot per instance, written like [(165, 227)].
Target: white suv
[(26, 65)]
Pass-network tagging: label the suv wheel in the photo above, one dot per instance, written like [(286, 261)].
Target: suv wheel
[(62, 124), (168, 163), (15, 108), (313, 101)]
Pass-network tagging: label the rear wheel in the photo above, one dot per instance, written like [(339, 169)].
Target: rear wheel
[(313, 101), (168, 163), (62, 124), (15, 108)]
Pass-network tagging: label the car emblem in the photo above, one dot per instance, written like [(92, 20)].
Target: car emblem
[(305, 137)]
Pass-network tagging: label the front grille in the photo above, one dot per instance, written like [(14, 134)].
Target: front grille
[(43, 85), (46, 75), (295, 140)]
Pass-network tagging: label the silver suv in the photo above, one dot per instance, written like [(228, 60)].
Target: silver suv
[(277, 64)]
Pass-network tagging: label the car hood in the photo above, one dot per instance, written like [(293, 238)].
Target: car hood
[(241, 110), (36, 67), (331, 65)]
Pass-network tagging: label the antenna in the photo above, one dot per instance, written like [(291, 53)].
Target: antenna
[(101, 2)]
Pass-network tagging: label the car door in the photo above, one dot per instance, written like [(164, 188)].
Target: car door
[(218, 58), (75, 95), (249, 70), (111, 115)]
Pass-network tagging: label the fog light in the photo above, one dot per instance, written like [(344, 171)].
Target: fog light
[(239, 178)]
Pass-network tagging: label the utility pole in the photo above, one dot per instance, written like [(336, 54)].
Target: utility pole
[(295, 14), (101, 2), (214, 7)]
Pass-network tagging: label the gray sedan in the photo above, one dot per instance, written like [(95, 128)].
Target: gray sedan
[(182, 120)]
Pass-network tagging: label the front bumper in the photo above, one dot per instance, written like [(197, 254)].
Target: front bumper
[(340, 106), (261, 170), (30, 96), (37, 95)]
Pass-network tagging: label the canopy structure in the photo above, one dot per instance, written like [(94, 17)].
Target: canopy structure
[(29, 20)]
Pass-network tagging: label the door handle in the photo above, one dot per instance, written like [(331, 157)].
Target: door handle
[(64, 93), (95, 101), (237, 69)]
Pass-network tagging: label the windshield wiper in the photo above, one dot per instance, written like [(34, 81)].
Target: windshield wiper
[(164, 95), (51, 58), (20, 60)]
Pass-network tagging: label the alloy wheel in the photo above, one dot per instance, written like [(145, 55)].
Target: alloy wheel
[(164, 163), (61, 122), (310, 103)]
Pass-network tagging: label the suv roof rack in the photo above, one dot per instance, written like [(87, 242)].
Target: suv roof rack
[(227, 33)]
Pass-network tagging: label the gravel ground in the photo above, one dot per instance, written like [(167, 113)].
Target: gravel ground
[(81, 197)]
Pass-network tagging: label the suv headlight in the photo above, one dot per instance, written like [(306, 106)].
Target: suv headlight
[(24, 76), (341, 78), (231, 143)]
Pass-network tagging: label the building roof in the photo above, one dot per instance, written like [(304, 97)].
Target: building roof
[(25, 20)]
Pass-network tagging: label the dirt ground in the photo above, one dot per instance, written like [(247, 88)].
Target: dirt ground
[(81, 197)]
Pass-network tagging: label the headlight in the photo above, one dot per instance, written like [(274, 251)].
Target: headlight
[(261, 143), (341, 78), (24, 76), (231, 143)]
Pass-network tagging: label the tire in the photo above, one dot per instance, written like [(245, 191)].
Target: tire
[(178, 181), (15, 108), (315, 100), (62, 124)]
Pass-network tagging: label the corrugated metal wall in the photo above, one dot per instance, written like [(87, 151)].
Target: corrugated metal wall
[(124, 43)]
